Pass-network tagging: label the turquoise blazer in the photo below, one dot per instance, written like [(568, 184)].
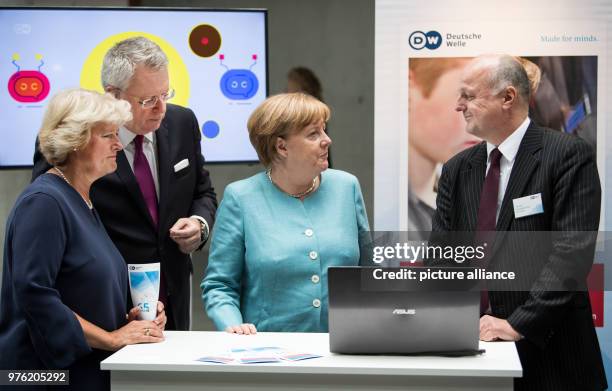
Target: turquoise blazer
[(270, 252)]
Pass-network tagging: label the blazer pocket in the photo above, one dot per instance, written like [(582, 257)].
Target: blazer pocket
[(535, 222), (182, 169)]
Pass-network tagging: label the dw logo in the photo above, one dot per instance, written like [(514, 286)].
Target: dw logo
[(430, 40)]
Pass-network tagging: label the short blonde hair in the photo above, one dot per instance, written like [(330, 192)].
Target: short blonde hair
[(70, 116), (533, 73), (280, 116)]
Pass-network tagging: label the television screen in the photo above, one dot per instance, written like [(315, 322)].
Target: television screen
[(217, 67)]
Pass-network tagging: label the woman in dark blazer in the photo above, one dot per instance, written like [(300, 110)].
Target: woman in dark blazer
[(64, 284)]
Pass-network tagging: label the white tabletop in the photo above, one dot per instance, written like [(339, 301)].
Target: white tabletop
[(181, 349)]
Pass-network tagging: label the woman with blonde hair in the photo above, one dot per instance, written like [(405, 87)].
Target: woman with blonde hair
[(64, 284), (278, 231)]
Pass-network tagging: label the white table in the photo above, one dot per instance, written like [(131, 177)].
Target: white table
[(172, 365)]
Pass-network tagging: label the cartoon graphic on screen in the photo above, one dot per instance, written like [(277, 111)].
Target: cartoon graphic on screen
[(239, 84), (28, 86), (204, 40), (74, 42)]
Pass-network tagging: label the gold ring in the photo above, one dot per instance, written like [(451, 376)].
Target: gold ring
[(147, 331)]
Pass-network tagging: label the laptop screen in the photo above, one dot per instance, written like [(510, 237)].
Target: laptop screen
[(369, 314)]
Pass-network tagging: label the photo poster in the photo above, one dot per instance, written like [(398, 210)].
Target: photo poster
[(417, 90)]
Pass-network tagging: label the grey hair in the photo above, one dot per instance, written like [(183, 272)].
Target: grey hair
[(121, 60), (69, 118), (510, 72)]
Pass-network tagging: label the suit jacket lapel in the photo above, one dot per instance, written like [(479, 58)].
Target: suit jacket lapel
[(164, 162), (473, 177), (125, 173), (525, 164)]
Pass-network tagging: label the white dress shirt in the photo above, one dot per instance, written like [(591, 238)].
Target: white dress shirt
[(508, 148)]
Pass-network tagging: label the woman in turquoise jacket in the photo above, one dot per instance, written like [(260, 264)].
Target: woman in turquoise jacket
[(278, 231)]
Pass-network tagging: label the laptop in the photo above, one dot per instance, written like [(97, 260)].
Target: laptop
[(384, 316)]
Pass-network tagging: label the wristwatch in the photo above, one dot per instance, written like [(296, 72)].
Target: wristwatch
[(204, 232)]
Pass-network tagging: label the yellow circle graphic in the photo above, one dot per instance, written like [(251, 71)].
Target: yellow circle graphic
[(177, 71)]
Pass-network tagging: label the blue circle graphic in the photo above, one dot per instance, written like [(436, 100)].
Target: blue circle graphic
[(434, 40), (210, 129)]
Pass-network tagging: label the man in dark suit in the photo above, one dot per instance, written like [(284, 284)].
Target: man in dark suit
[(159, 206), (482, 189)]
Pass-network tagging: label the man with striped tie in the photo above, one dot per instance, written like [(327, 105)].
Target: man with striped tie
[(526, 178)]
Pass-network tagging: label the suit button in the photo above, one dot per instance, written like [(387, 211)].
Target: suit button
[(315, 279), (313, 255), (316, 303), (308, 232)]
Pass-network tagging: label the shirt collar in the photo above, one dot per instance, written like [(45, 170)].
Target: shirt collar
[(510, 146), (127, 136)]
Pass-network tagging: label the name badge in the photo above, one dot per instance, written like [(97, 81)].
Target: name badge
[(180, 165), (528, 206)]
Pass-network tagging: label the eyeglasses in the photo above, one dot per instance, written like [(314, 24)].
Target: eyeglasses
[(152, 101)]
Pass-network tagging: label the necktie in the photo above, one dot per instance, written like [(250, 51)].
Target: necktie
[(142, 171), (487, 209), (487, 213)]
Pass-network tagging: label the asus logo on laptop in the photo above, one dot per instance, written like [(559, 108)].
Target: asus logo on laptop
[(404, 311)]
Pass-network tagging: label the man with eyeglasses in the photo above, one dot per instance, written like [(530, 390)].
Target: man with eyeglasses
[(159, 206)]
